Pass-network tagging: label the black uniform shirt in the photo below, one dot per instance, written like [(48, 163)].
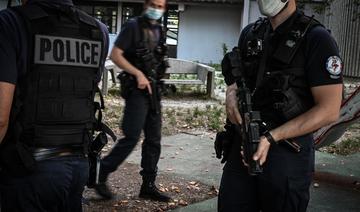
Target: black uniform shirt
[(14, 46), (320, 50), (323, 66)]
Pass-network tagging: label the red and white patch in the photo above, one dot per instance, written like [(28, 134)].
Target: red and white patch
[(334, 66)]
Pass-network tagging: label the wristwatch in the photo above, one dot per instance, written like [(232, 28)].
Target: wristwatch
[(269, 137)]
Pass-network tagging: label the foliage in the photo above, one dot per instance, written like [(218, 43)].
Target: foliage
[(322, 7), (346, 147), (209, 118), (224, 48)]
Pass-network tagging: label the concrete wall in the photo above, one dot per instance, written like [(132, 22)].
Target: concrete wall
[(203, 30), (3, 4), (254, 12)]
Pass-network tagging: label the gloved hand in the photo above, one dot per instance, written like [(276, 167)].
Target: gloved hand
[(222, 146)]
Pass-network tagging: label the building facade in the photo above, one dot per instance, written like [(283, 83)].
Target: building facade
[(201, 30), (197, 30)]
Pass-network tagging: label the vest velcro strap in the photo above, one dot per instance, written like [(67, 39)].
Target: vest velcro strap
[(64, 111)]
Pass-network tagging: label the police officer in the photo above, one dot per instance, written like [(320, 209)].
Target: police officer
[(51, 56), (140, 44), (291, 64)]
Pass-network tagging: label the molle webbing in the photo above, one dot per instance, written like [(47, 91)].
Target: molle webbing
[(59, 87)]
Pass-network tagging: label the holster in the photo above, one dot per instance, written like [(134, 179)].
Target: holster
[(127, 84)]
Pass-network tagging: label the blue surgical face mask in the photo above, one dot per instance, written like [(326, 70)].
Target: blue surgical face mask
[(154, 14)]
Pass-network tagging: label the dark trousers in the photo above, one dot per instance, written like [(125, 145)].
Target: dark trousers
[(282, 187), (138, 116), (56, 185)]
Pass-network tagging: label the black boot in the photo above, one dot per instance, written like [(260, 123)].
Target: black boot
[(150, 191), (103, 190)]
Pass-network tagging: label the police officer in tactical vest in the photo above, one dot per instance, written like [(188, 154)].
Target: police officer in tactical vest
[(51, 59), (141, 52), (290, 64)]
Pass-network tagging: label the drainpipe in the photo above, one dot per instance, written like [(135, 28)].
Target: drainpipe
[(246, 14), (119, 18)]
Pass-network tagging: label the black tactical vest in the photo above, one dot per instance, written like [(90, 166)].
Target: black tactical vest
[(54, 101), (145, 57), (281, 92)]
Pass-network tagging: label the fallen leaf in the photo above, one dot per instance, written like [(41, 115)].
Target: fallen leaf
[(316, 185), (183, 203)]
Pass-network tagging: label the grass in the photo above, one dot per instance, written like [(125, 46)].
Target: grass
[(210, 118)]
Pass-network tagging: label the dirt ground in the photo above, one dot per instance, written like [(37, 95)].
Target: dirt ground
[(126, 182)]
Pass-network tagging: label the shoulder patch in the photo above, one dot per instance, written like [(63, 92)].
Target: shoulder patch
[(334, 66)]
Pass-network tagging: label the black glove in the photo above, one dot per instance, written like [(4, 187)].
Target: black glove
[(222, 146)]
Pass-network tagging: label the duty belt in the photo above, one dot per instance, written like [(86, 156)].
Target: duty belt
[(41, 154)]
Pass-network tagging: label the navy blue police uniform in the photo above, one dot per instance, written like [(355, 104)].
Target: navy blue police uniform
[(54, 54), (301, 55), (136, 37)]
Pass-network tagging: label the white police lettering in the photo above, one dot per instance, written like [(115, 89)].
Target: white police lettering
[(52, 50), (334, 66)]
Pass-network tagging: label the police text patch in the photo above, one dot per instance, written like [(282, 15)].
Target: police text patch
[(52, 50)]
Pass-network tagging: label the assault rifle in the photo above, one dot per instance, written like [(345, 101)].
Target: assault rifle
[(249, 130), (252, 129), (154, 98)]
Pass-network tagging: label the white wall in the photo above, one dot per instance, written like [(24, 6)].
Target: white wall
[(254, 12), (203, 30)]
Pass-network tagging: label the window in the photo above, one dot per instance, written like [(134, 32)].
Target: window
[(131, 10), (106, 13), (172, 25)]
